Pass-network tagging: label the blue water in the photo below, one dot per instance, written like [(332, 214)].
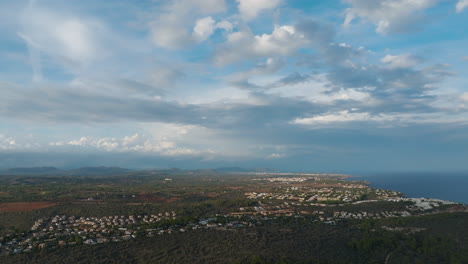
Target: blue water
[(446, 186)]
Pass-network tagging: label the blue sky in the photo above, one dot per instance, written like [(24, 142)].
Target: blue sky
[(351, 85)]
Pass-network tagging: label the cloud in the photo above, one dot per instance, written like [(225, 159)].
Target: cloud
[(394, 86), (286, 40), (464, 97), (164, 139), (172, 27), (80, 142), (461, 5), (35, 58), (106, 85), (349, 81), (76, 38), (133, 143), (249, 9), (342, 116), (283, 41), (388, 16), (226, 25), (166, 76), (69, 38), (291, 79), (205, 27), (275, 156), (241, 79), (72, 102), (7, 143), (384, 119), (400, 61)]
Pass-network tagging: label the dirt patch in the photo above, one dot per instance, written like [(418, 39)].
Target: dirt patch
[(150, 198), (458, 208), (24, 206), (4, 194), (233, 188)]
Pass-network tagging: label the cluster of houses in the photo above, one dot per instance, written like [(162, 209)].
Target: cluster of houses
[(61, 231), (286, 179), (70, 230), (366, 215), (96, 224), (322, 215), (423, 204), (344, 193), (414, 206)]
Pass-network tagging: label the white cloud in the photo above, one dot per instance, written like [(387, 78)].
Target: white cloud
[(226, 25), (317, 90), (275, 156), (162, 139), (133, 143), (284, 40), (465, 97), (66, 37), (7, 143), (202, 6), (80, 142), (271, 65), (205, 27), (400, 61), (461, 5), (384, 119), (108, 144), (171, 28), (388, 15), (249, 9), (76, 38), (129, 140), (342, 116)]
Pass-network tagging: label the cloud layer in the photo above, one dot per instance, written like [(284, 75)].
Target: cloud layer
[(231, 81)]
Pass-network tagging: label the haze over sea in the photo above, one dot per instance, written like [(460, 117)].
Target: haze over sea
[(447, 186)]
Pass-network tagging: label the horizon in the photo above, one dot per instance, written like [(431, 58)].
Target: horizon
[(321, 86), (235, 169)]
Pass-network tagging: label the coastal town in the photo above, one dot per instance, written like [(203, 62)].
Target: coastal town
[(319, 190), (62, 231)]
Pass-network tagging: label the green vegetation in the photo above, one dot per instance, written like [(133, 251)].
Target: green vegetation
[(216, 220), (281, 241)]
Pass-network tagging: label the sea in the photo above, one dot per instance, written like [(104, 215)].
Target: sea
[(445, 186)]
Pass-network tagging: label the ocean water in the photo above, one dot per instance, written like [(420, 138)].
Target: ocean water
[(446, 186)]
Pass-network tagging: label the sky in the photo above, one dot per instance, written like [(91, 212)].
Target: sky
[(299, 85)]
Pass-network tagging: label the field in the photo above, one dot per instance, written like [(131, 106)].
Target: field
[(24, 206)]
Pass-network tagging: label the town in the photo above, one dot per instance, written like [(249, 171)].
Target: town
[(61, 230)]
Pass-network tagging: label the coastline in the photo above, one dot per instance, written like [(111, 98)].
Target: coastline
[(445, 186)]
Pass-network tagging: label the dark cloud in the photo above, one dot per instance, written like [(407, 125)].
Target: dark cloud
[(398, 90), (292, 79)]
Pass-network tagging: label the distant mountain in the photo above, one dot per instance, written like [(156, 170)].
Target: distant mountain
[(32, 170), (98, 171), (55, 171), (89, 171), (239, 169), (265, 170), (232, 169)]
